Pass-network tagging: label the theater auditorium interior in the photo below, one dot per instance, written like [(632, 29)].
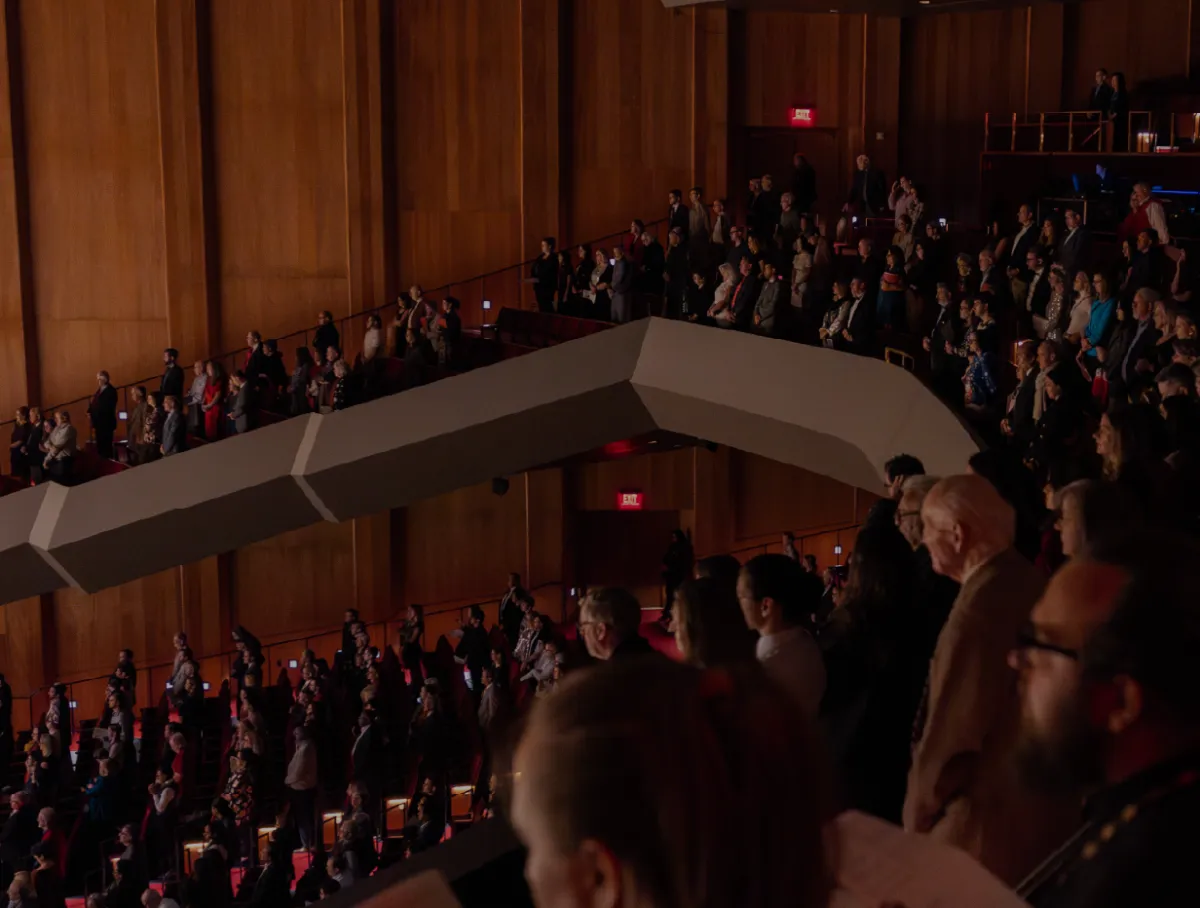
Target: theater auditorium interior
[(599, 453)]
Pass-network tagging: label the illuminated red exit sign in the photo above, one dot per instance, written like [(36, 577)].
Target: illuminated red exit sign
[(803, 117), (630, 501)]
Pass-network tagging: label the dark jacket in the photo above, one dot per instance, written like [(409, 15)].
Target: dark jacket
[(868, 193), (324, 337), (19, 834), (103, 408), (678, 218), (637, 645), (1020, 417), (1075, 253), (242, 411), (174, 436), (172, 382), (861, 326)]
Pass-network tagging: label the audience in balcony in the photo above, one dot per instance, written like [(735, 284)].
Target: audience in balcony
[(172, 379), (102, 412)]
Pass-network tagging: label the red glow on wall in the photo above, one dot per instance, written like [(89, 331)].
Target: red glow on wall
[(803, 117), (630, 501)]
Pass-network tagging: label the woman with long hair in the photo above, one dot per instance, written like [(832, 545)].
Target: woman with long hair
[(709, 627), (213, 405)]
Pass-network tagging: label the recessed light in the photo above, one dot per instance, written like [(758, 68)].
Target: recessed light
[(924, 2), (833, 10)]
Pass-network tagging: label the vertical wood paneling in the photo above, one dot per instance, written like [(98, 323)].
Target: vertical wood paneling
[(95, 190), (631, 122), (540, 123), (279, 138), (458, 87), (193, 312), (19, 380)]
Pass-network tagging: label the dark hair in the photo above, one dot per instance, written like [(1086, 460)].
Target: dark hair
[(637, 222), (879, 575), (678, 192), (172, 352), (303, 357), (777, 577), (811, 560), (1140, 438), (699, 190), (707, 614), (1106, 510), (903, 465), (330, 886), (1120, 77), (550, 241), (719, 567), (1154, 631), (1178, 372)]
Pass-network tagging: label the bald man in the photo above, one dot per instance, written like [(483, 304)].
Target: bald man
[(962, 789), (1110, 705)]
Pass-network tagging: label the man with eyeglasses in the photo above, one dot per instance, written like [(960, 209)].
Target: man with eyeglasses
[(962, 790), (1110, 706)]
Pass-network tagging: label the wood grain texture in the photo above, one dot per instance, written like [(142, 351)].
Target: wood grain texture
[(458, 91), (95, 190), (279, 147), (631, 118)]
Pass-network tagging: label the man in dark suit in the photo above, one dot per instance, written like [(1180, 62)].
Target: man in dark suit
[(868, 191), (510, 608), (868, 268), (367, 760), (1129, 372), (744, 297), (737, 248), (993, 280), (1101, 93), (102, 411), (622, 285), (654, 264), (172, 380), (1075, 252), (859, 334), (241, 414), (677, 214), (174, 433), (1019, 425), (804, 183), (1037, 296), (946, 368), (1023, 240)]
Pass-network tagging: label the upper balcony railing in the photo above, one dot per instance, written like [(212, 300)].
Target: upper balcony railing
[(1083, 131)]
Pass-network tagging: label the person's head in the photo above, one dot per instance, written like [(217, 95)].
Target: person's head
[(1034, 260), (1047, 354), (618, 253), (151, 898), (1058, 279), (1089, 511), (1174, 380), (357, 795), (588, 771), (864, 248), (767, 182), (45, 818), (696, 194), (737, 235), (709, 627), (1145, 240), (598, 258), (674, 237), (1071, 217), (674, 197), (170, 403), (1128, 438), (899, 468), (1185, 325), (724, 568), (908, 510), (1109, 682), (809, 562), (857, 287), (768, 270), (966, 522), (1024, 215), (548, 245), (1101, 76), (178, 742), (862, 162), (776, 594), (170, 355), (718, 206), (607, 617), (962, 263), (127, 835), (62, 418), (746, 266), (982, 307)]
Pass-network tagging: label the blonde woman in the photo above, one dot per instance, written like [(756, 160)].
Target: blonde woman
[(719, 311), (1081, 309), (802, 266)]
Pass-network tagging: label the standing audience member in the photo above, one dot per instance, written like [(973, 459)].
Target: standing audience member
[(961, 788), (172, 379), (609, 619), (778, 599), (102, 411)]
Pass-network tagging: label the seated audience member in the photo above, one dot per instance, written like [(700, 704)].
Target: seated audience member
[(708, 624), (589, 770), (609, 619), (152, 898), (1111, 706), (777, 599), (960, 788)]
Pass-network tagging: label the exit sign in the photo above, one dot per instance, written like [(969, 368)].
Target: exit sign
[(803, 117), (630, 501)]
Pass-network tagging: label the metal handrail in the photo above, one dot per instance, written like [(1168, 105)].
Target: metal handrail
[(1067, 118)]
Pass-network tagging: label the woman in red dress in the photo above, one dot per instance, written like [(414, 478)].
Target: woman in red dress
[(214, 401)]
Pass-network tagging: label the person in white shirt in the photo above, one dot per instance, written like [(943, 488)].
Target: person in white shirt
[(302, 785), (778, 598), (543, 662)]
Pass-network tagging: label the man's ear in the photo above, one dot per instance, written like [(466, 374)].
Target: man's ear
[(1126, 706), (597, 876)]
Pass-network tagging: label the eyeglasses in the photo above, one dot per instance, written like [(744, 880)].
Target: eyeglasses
[(1027, 641)]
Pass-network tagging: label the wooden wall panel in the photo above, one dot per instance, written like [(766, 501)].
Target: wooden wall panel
[(294, 583), (957, 67), (1148, 41), (631, 137), (458, 86), (17, 326), (91, 629), (770, 497), (666, 480), (279, 154), (793, 59), (463, 545), (95, 190)]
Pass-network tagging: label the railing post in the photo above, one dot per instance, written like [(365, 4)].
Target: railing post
[(1129, 131), (986, 129), (1070, 130), (1042, 131), (1012, 144)]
